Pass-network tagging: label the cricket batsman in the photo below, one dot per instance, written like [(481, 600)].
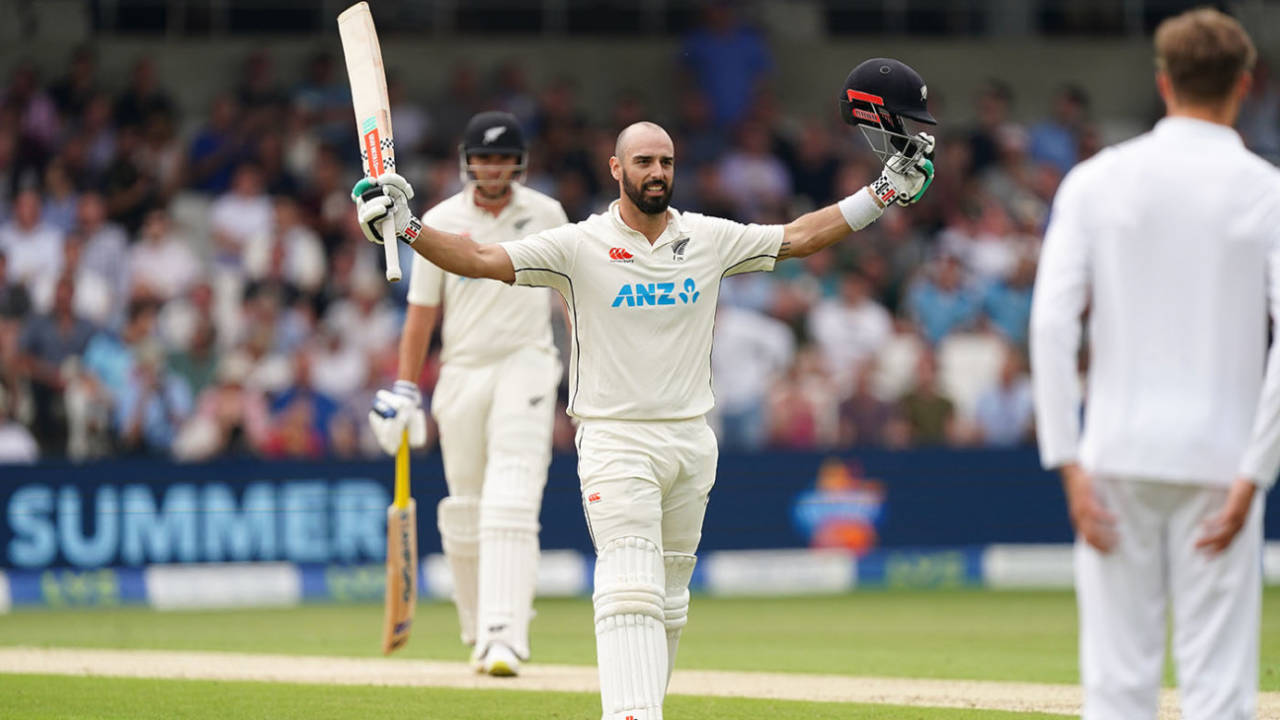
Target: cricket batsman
[(495, 399), (641, 282), (1173, 241)]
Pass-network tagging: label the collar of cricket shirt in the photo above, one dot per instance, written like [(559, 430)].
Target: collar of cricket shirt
[(676, 229), (1182, 126)]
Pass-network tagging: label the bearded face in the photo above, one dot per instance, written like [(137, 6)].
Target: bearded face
[(652, 197)]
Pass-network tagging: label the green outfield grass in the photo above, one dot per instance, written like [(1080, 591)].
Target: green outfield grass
[(958, 634), (962, 634), (36, 696)]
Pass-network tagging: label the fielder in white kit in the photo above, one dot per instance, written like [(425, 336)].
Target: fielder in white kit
[(641, 282), (495, 398), (1172, 240)]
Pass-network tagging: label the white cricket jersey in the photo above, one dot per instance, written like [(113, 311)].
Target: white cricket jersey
[(642, 314), (1173, 242), (485, 319)]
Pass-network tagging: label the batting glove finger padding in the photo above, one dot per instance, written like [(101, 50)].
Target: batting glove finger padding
[(370, 212), (397, 409)]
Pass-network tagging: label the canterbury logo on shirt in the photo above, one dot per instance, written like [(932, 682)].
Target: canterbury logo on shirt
[(656, 294), (619, 255)]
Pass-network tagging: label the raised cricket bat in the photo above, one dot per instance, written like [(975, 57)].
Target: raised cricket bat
[(373, 109), (402, 557)]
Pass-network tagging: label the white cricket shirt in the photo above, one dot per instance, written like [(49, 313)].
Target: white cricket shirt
[(1173, 241), (642, 314), (484, 320)]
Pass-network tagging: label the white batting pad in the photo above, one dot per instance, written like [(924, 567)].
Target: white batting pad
[(675, 608), (459, 522), (630, 642), (508, 573)]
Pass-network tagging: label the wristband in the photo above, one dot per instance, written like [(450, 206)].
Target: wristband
[(860, 209), (411, 231)]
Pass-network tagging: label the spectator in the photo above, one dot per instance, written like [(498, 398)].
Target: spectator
[(753, 178), (749, 352), (939, 302), (1053, 141), (98, 135), (288, 251), (257, 91), (325, 98), (339, 368), (162, 264), (815, 167), (33, 247), (363, 319), (453, 109), (60, 198), (197, 362), (15, 301), (73, 91), (728, 60), (110, 357), (105, 251), (129, 188), (230, 418), (151, 405), (928, 415), (1007, 301), (992, 105), (849, 330), (238, 215), (1004, 413), (142, 98), (93, 296), (1259, 120), (38, 123), (46, 344), (409, 119), (300, 415), (17, 446), (865, 419), (217, 149)]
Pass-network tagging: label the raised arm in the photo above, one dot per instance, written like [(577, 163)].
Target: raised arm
[(903, 180), (458, 254), (824, 227), (461, 255)]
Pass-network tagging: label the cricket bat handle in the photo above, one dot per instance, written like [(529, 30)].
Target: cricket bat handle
[(391, 247)]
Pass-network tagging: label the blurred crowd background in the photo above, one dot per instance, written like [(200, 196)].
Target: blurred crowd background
[(193, 284)]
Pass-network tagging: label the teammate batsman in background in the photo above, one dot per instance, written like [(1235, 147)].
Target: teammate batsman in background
[(1173, 241), (641, 282), (495, 399)]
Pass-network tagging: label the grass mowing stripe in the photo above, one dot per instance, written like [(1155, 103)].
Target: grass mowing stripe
[(959, 634), (32, 697)]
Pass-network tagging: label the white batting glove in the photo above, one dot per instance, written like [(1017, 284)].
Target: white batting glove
[(904, 180), (376, 197), (393, 411)]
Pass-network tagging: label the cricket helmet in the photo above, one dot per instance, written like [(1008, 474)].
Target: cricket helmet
[(492, 133), (877, 96)]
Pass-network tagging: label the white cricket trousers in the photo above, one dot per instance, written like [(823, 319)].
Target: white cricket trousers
[(645, 487), (1124, 598), (495, 438)]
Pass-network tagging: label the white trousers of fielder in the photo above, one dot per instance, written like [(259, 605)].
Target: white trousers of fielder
[(495, 438), (1125, 597), (645, 487)]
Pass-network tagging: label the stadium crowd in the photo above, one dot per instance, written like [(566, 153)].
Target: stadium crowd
[(195, 285)]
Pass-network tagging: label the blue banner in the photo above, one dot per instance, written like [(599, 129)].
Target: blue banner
[(130, 514)]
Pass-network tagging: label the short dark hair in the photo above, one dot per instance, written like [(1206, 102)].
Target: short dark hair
[(1204, 52)]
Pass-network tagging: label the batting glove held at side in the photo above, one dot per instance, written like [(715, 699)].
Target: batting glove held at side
[(388, 193), (905, 179), (393, 411)]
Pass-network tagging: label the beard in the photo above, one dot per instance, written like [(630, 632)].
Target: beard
[(645, 203)]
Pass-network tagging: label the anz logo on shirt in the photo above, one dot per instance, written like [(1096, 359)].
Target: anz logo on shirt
[(656, 294)]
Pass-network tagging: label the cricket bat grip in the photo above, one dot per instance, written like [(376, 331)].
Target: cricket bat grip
[(391, 247)]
